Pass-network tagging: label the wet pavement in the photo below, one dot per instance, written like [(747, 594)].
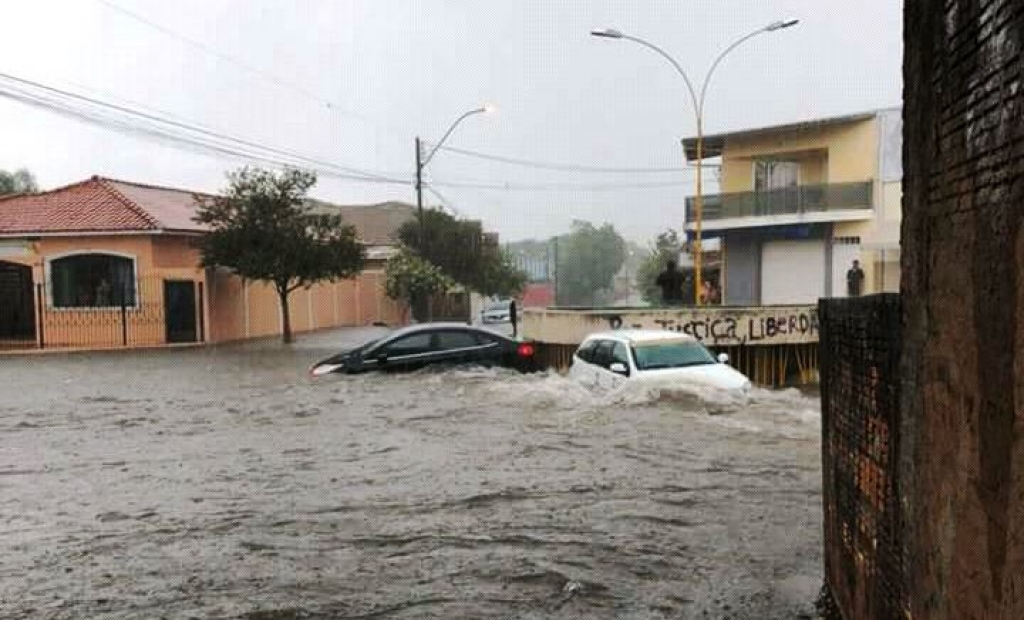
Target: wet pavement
[(225, 483)]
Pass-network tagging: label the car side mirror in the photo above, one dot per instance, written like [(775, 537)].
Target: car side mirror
[(619, 368), (723, 358)]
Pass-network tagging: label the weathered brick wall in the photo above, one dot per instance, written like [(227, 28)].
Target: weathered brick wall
[(962, 465), (860, 356)]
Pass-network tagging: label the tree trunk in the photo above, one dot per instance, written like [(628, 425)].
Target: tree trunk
[(286, 319)]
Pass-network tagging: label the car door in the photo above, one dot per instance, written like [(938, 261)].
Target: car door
[(601, 362), (492, 351), (457, 346), (581, 370), (619, 355)]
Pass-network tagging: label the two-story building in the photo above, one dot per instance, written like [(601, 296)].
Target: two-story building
[(800, 202)]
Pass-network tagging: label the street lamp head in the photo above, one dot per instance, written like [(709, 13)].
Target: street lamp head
[(781, 25), (607, 33), (489, 109)]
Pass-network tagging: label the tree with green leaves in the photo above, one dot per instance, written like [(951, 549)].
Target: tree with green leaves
[(413, 280), (18, 182), (262, 229), (463, 252), (666, 247), (588, 260)]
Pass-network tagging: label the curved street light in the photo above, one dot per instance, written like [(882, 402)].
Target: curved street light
[(698, 100), (421, 162)]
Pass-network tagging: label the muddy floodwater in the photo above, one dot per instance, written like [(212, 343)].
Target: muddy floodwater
[(225, 483)]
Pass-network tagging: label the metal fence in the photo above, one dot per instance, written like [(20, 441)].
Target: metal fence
[(787, 200), (859, 366), (149, 310)]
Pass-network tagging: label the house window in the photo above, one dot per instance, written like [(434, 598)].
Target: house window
[(772, 174), (92, 281)]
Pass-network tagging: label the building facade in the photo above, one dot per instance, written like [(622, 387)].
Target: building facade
[(800, 202), (108, 263)]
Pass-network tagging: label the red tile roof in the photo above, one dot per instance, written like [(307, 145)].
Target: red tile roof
[(99, 205), (102, 205)]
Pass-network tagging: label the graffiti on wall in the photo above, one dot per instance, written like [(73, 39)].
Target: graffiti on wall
[(713, 325)]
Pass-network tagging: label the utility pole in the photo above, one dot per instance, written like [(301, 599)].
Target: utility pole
[(419, 192)]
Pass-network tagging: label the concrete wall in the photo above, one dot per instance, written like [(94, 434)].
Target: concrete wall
[(963, 292)]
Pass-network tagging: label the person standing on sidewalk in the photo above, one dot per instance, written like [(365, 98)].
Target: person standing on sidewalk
[(854, 280)]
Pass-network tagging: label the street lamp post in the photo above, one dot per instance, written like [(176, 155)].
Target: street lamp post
[(698, 108), (421, 163)]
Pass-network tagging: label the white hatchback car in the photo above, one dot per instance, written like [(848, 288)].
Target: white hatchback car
[(657, 358)]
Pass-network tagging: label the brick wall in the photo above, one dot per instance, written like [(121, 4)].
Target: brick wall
[(963, 353), (863, 526)]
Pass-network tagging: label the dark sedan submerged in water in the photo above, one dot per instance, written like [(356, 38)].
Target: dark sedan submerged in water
[(432, 344)]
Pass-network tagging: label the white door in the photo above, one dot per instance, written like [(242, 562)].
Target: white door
[(843, 255), (792, 272)]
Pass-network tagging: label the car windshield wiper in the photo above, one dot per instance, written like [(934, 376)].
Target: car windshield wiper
[(656, 367), (705, 363)]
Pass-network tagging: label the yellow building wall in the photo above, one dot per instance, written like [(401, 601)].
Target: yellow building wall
[(852, 154), (232, 309)]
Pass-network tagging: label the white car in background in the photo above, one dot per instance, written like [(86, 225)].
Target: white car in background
[(659, 359), (497, 312)]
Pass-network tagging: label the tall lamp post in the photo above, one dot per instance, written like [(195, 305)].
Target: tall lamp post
[(698, 108), (421, 163)]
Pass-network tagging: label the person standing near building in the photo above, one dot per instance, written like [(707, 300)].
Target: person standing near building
[(670, 282), (855, 280), (512, 316)]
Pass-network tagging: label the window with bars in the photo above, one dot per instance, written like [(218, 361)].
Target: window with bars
[(92, 281)]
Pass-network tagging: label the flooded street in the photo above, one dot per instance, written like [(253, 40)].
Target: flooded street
[(225, 483)]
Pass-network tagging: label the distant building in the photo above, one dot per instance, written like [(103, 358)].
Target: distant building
[(801, 202)]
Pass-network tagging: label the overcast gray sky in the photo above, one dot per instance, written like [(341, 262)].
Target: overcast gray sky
[(392, 69)]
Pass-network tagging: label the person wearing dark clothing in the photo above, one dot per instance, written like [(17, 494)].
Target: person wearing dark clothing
[(854, 280), (670, 282), (512, 317)]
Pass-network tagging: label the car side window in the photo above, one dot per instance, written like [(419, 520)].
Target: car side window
[(620, 355), (586, 351), (447, 341), (603, 354), (410, 345), (485, 340)]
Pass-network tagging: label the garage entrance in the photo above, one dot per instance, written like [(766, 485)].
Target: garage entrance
[(792, 272)]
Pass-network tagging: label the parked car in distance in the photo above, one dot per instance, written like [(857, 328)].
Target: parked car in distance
[(432, 344), (663, 358), (497, 312)]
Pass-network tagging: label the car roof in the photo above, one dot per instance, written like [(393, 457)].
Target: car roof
[(428, 327), (636, 336)]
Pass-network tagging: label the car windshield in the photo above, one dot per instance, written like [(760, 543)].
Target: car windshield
[(672, 354), (497, 307)]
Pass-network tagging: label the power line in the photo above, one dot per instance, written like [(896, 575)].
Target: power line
[(246, 66), (565, 167), (557, 187), (125, 118), (444, 201)]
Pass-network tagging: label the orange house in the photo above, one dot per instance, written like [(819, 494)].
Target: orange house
[(108, 263)]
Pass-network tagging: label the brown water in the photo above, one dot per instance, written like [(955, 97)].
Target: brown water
[(227, 484)]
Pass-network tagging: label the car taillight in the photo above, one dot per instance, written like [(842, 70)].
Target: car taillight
[(526, 350)]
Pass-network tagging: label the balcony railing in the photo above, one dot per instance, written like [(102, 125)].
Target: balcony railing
[(787, 201)]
